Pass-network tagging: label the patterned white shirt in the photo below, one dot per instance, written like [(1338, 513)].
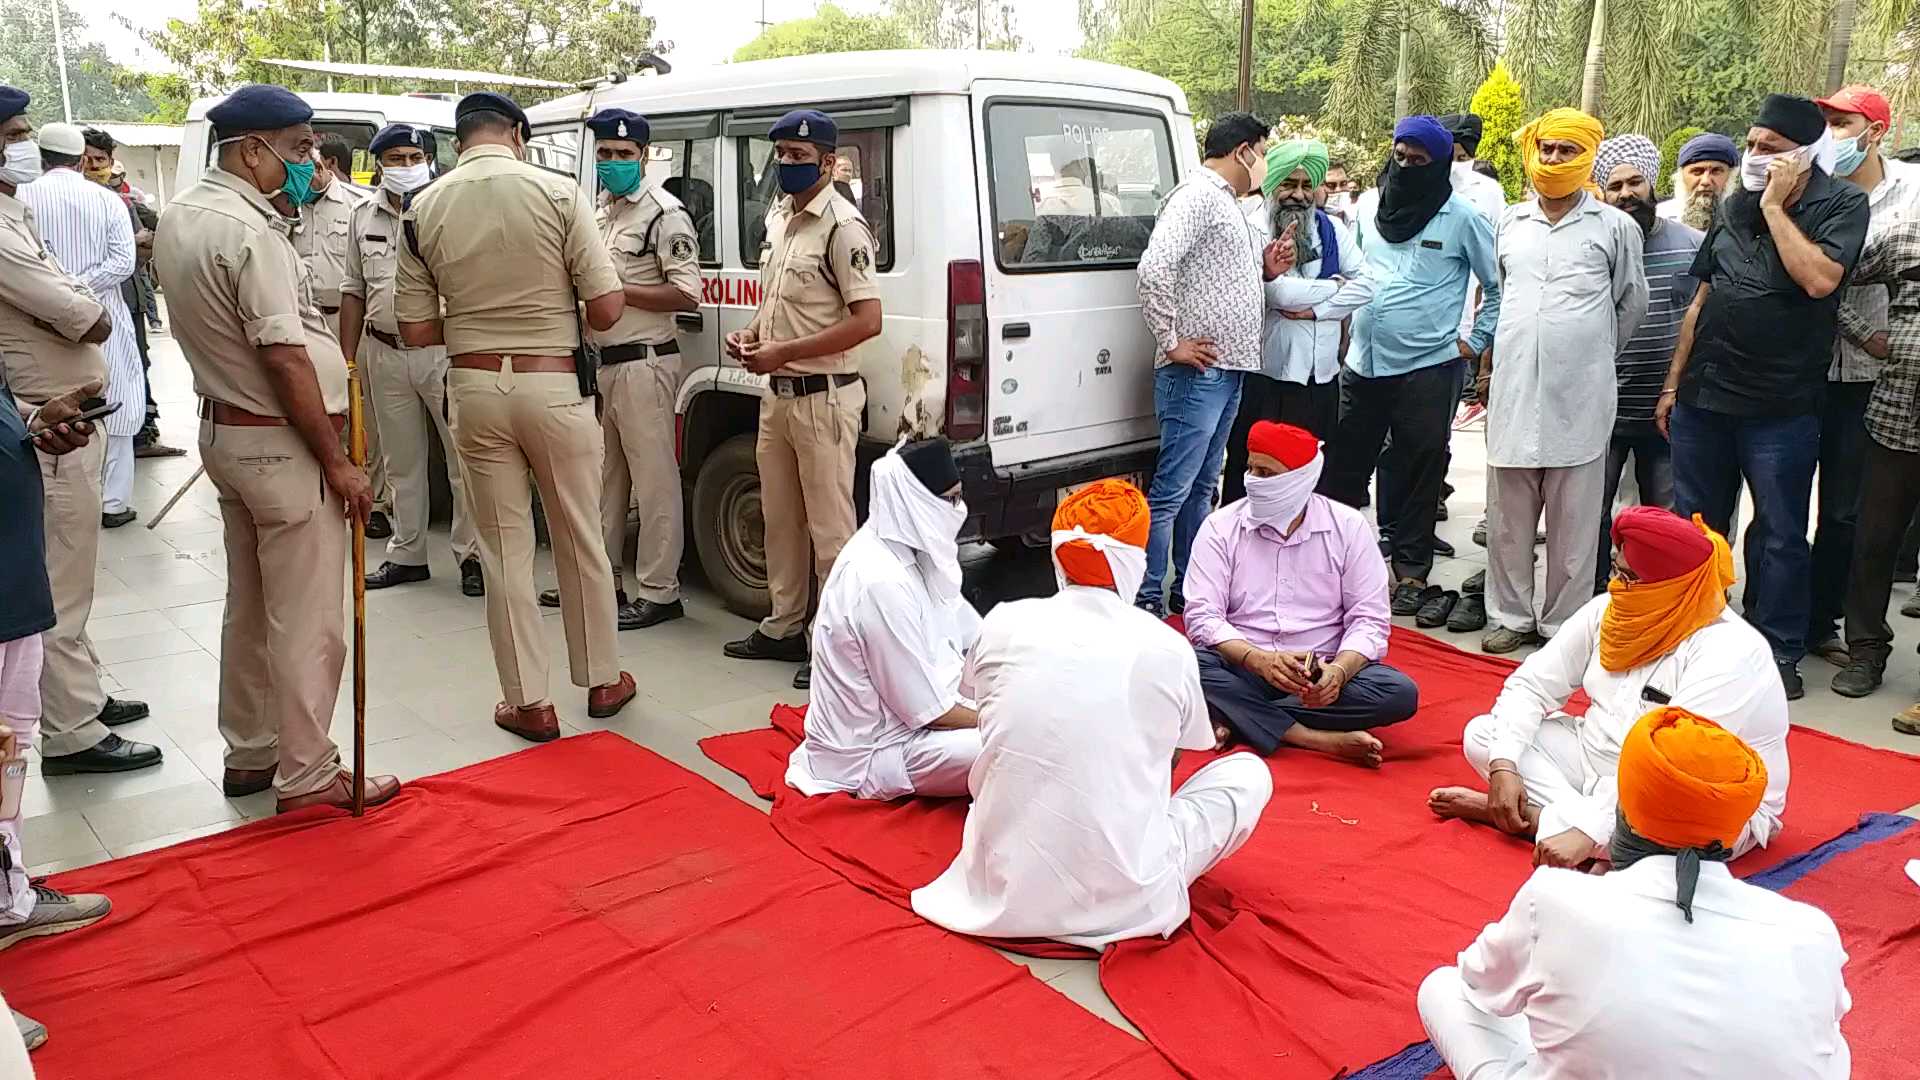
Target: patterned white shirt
[(1200, 275)]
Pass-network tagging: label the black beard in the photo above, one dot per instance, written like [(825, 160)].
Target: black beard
[(1742, 208), (1639, 210)]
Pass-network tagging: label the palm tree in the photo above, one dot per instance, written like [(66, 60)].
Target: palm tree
[(1626, 44), (1431, 52)]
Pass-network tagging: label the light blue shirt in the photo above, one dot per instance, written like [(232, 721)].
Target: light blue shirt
[(1420, 288)]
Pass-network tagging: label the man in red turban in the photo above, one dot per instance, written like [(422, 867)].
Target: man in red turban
[(1661, 635), (1085, 703)]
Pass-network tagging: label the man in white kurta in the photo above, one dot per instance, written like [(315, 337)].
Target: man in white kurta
[(1085, 702), (887, 716)]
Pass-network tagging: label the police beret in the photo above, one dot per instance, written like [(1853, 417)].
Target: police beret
[(619, 124), (488, 101), (807, 125), (13, 102), (260, 107), (397, 135)]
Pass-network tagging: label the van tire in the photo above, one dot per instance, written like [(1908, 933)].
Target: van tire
[(729, 533)]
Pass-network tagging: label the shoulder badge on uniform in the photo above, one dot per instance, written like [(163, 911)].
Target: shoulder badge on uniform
[(860, 260), (682, 247)]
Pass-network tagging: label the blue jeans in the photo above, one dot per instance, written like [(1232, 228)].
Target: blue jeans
[(1196, 411), (1712, 453)]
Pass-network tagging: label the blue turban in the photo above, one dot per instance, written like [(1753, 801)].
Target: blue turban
[(1709, 147), (1427, 133)]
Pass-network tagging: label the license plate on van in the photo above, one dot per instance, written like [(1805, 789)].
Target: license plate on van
[(1136, 479)]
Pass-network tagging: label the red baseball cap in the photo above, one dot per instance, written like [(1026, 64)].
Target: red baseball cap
[(1859, 98)]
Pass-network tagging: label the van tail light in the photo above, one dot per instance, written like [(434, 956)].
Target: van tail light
[(966, 351)]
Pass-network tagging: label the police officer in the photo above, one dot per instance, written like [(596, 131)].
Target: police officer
[(818, 301), (511, 250), (401, 382), (273, 402), (321, 238), (51, 329)]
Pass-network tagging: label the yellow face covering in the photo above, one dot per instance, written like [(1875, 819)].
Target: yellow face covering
[(100, 176), (1563, 179)]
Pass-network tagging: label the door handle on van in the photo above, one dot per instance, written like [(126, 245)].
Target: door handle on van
[(1016, 330), (690, 320)]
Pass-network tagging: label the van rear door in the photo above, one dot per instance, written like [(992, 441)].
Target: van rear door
[(1075, 176)]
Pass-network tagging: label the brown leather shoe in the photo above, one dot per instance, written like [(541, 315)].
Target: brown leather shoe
[(340, 793), (238, 782), (604, 701), (534, 723)]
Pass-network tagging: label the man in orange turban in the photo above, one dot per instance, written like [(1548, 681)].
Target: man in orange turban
[(1085, 703), (1661, 635), (1621, 974)]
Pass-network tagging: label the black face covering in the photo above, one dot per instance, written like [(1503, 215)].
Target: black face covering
[(1409, 197)]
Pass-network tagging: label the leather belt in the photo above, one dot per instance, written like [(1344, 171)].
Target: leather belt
[(234, 416), (521, 362), (794, 386), (639, 350), (384, 338)]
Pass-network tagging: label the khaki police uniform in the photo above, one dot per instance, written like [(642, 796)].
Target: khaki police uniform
[(402, 382), (511, 249), (653, 242), (40, 365), (324, 241), (235, 285), (817, 260)]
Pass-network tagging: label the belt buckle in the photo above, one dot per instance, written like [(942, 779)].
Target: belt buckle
[(785, 387)]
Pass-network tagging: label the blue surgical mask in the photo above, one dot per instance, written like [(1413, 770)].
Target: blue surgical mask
[(618, 178), (1848, 154), (299, 184), (798, 177)]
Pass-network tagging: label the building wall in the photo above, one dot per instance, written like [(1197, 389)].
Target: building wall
[(151, 169)]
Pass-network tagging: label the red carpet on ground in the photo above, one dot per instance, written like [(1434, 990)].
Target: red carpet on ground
[(586, 909), (1307, 945)]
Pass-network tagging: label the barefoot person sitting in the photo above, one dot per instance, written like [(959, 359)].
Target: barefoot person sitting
[(1662, 635), (1287, 611), (1668, 966), (887, 716), (1085, 704)]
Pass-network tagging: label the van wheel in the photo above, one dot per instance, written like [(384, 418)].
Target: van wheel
[(728, 531)]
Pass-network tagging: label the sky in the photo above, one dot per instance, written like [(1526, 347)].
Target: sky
[(703, 32)]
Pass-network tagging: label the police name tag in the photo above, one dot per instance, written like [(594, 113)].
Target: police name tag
[(1432, 245)]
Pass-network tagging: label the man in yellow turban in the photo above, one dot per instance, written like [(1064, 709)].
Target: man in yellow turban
[(1085, 703), (1661, 634), (1573, 288), (1667, 966)]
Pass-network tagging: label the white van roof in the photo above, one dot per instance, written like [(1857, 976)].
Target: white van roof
[(397, 108), (799, 80)]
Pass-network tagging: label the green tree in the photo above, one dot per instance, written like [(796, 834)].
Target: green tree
[(1501, 106), (1616, 60), (101, 89), (1670, 157), (827, 30), (957, 24), (1399, 57)]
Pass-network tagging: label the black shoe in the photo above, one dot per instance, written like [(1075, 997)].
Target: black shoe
[(117, 519), (378, 527), (119, 711), (1410, 596), (1176, 604), (1476, 584), (1790, 679), (550, 598), (1861, 677), (1904, 575), (393, 573), (1480, 535), (1469, 615), (803, 679), (1436, 611), (644, 613), (472, 581), (1442, 548), (1440, 514), (758, 646), (1150, 607), (111, 754)]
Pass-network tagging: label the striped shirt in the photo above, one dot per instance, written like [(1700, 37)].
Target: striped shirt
[(89, 232), (1642, 364)]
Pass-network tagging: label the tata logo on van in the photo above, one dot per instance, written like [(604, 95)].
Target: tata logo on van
[(1103, 362)]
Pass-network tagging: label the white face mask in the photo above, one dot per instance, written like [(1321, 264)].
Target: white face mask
[(1278, 500), (405, 179), (21, 165), (1753, 167)]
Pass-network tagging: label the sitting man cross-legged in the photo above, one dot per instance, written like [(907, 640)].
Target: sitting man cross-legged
[(1287, 611), (1085, 704), (1662, 635), (887, 716), (1666, 967)]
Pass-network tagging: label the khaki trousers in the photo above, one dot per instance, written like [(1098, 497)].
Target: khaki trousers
[(507, 424), (402, 382), (638, 398), (376, 459), (70, 693), (283, 642), (805, 454)]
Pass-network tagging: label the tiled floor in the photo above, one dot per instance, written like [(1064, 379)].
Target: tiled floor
[(431, 683)]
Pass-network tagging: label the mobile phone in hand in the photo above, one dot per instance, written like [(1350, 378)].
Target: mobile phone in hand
[(93, 409)]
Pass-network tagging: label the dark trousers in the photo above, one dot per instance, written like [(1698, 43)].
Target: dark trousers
[(1843, 449), (1417, 410), (1391, 469), (1313, 406), (1260, 714), (1889, 494), (1712, 453), (1652, 470)]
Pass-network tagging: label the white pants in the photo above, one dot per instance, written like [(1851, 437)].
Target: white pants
[(1474, 1043), (1215, 811), (116, 477), (932, 762), (1515, 497), (20, 661), (13, 1050), (401, 384)]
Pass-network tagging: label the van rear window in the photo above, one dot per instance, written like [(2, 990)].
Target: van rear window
[(1075, 188)]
